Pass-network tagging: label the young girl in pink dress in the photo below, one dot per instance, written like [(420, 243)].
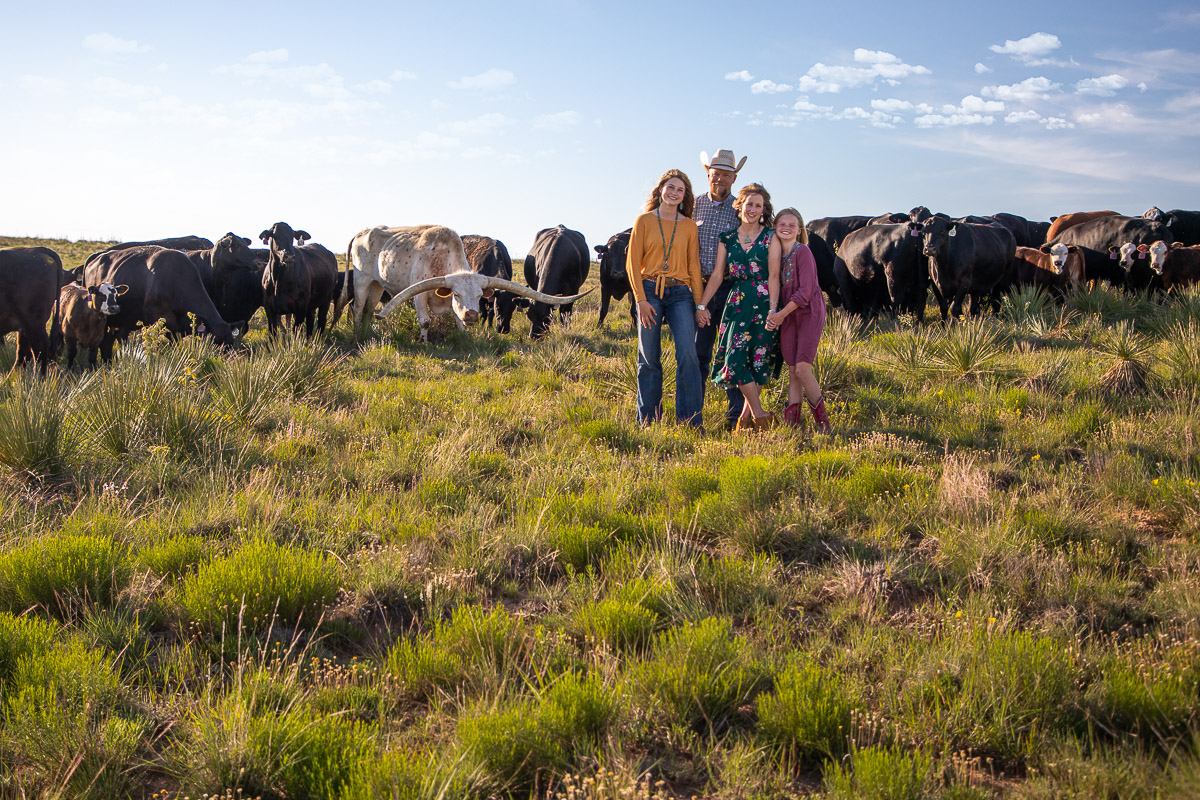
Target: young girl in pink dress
[(801, 319)]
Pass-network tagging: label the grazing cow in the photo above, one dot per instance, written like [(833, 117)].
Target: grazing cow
[(881, 266), (426, 263), (163, 284), (965, 258), (30, 278), (84, 317), (1175, 264), (488, 256), (557, 264), (1064, 222), (232, 273), (1101, 240), (614, 278), (1056, 272), (299, 281)]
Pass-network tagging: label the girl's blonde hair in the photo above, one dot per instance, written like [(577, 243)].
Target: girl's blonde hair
[(801, 237)]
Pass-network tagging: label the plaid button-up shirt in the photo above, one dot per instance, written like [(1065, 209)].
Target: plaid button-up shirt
[(712, 219)]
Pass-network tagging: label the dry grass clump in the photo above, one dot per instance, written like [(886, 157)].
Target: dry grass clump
[(964, 486)]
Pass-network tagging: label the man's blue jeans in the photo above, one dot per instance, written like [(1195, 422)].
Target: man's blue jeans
[(706, 338), (677, 309)]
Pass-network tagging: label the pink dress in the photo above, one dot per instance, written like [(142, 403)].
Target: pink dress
[(801, 330)]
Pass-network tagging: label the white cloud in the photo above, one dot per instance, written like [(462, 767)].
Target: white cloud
[(1030, 50), (877, 119), (952, 120), (1105, 86), (769, 87), (490, 80), (1023, 92), (803, 104), (105, 44), (401, 75), (39, 84), (981, 69), (893, 106), (826, 78), (558, 121), (1142, 87), (484, 124), (974, 105), (111, 87), (740, 75), (277, 56), (373, 87), (1051, 123)]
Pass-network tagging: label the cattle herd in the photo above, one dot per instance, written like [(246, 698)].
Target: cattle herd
[(869, 265)]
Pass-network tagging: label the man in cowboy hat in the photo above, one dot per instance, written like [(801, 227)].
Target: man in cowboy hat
[(714, 215)]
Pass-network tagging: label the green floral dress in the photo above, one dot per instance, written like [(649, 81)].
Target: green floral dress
[(746, 351)]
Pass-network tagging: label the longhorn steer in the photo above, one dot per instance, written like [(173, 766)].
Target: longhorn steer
[(299, 281), (488, 256), (426, 263)]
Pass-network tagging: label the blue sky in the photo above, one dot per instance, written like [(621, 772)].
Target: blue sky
[(139, 120)]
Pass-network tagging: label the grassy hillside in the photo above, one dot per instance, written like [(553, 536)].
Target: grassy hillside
[(461, 570)]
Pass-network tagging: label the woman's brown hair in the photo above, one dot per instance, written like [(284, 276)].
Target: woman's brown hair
[(768, 215), (689, 200)]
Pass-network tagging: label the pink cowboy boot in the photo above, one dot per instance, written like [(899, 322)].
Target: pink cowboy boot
[(791, 416), (821, 416)]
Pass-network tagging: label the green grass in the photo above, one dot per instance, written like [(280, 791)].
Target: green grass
[(461, 570)]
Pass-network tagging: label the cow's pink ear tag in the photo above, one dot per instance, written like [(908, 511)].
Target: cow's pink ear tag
[(914, 232)]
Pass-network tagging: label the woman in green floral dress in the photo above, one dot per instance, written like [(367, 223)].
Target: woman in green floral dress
[(747, 354)]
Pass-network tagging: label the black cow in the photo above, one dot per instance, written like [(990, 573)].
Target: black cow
[(879, 267), (298, 281), (1038, 231), (614, 278), (30, 280), (1026, 233), (1185, 225), (171, 243), (488, 256), (232, 274), (1101, 239), (966, 258), (163, 284), (825, 237), (557, 264)]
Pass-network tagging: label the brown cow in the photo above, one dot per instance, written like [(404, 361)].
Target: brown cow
[(1177, 264), (1066, 221), (1054, 272), (84, 314)]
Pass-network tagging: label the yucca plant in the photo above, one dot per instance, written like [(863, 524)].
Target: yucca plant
[(305, 369), (907, 350), (1133, 354), (970, 349), (35, 435), (1182, 356), (1025, 305)]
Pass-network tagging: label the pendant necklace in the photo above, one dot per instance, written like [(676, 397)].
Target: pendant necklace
[(667, 247)]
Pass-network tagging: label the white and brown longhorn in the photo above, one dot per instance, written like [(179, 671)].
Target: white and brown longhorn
[(464, 290)]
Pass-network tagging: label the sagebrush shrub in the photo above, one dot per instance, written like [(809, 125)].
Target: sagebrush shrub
[(64, 573), (259, 586), (808, 715)]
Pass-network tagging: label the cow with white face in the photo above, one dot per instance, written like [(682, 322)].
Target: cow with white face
[(425, 263), (1175, 264), (84, 317), (1134, 259)]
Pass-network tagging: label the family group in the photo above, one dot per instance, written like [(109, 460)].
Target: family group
[(734, 261)]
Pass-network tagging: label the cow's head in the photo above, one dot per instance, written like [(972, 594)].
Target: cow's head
[(1153, 213), (233, 252), (1158, 255), (104, 298), (920, 214), (1126, 253), (1060, 255), (507, 304), (281, 238), (936, 232)]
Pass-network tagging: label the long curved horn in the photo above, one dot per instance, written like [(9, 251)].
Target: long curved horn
[(412, 291), (533, 294)]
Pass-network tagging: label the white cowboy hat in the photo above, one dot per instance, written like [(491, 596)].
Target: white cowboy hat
[(722, 160)]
